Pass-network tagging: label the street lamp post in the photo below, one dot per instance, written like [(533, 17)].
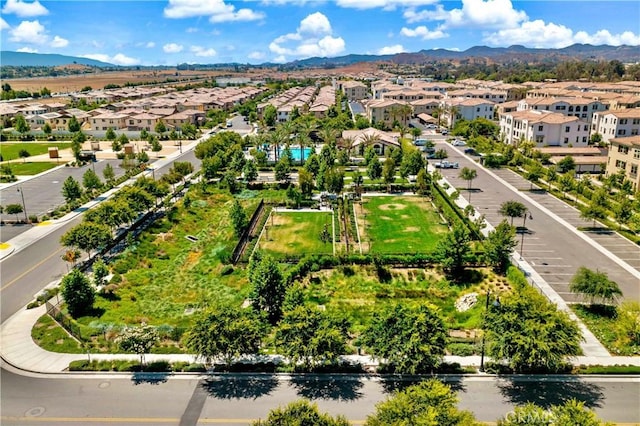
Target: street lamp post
[(24, 205)]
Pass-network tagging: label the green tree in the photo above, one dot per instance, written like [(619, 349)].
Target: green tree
[(91, 181), (226, 333), (312, 337), (528, 331), (15, 209), (429, 403), (238, 218), (87, 236), (283, 170), (593, 211), (24, 154), (595, 286), (499, 245), (300, 413), (20, 124), (268, 288), (535, 172), (423, 182), (46, 129), (78, 293), (454, 251), (269, 115), (76, 144), (250, 171), (139, 340), (108, 173), (512, 209), (567, 182), (566, 164), (412, 163), (410, 339), (71, 189), (160, 127), (73, 125), (527, 415), (305, 180), (334, 180), (572, 412), (110, 134), (374, 170), (295, 195), (624, 211), (156, 146), (389, 172), (100, 272), (468, 174)]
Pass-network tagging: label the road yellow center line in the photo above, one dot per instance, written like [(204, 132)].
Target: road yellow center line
[(10, 283)]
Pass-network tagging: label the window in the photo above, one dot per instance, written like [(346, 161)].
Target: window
[(539, 139), (571, 108), (622, 131), (586, 127), (634, 169), (621, 164), (540, 128), (636, 153), (623, 149), (623, 121), (566, 140), (584, 139), (567, 129), (584, 115)]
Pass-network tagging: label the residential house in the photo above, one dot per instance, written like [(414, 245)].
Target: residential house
[(544, 128), (382, 142), (354, 90), (388, 112), (466, 108), (624, 155)]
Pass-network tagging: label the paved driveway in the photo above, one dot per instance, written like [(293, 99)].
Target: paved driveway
[(553, 250)]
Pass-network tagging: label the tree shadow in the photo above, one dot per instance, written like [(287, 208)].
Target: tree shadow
[(249, 386), (345, 388), (553, 391), (392, 384), (141, 378)]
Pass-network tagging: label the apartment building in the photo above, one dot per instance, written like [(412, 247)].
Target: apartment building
[(583, 108), (353, 90), (616, 124), (544, 128), (466, 108), (624, 154), (388, 112)]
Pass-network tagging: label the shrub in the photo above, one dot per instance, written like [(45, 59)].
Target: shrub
[(226, 270)]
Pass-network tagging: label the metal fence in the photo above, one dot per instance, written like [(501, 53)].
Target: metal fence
[(65, 321)]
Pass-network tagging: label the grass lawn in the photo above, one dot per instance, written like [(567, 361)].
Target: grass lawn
[(296, 233), (399, 225), (48, 334), (29, 168), (10, 150)]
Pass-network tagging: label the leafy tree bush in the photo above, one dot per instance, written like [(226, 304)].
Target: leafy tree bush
[(238, 218), (428, 403), (300, 413), (410, 339), (78, 293), (595, 286)]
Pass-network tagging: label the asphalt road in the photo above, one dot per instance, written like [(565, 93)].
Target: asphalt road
[(237, 399), (552, 250)]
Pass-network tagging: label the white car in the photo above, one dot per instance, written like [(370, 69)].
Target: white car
[(458, 142)]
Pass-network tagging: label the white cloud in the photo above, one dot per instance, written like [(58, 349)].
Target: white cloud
[(150, 45), (498, 14), (117, 59), (313, 37), (59, 42), (4, 25), (391, 50), (191, 30), (423, 32), (256, 55), (216, 10), (24, 9), (605, 37), (29, 32), (120, 59), (288, 2), (280, 59), (203, 52), (27, 50), (549, 35), (316, 23), (384, 4), (172, 48)]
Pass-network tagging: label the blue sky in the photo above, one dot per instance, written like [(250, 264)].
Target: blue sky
[(150, 32)]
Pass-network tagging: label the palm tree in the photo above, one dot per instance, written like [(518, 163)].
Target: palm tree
[(403, 130), (453, 115), (369, 139), (469, 175), (348, 144), (277, 138), (438, 111)]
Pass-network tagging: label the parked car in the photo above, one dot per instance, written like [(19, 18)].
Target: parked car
[(459, 142), (446, 165), (470, 151)]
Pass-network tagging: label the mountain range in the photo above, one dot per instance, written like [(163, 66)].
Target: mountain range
[(494, 54)]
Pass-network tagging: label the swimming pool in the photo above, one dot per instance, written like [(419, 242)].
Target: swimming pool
[(295, 152)]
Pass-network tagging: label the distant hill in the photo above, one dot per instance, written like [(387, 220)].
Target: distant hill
[(24, 59), (496, 54)]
